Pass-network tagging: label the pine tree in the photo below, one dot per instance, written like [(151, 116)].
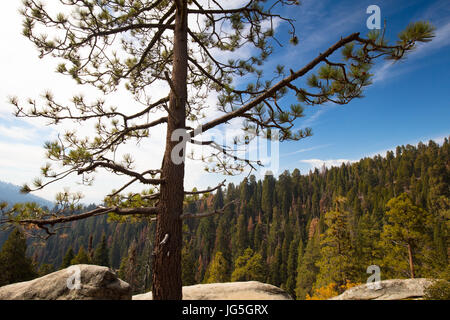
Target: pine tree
[(159, 43), (45, 269), (68, 257), (101, 254), (249, 267), (405, 232), (275, 267), (307, 269), (292, 267), (15, 266), (367, 250), (188, 265), (241, 235), (338, 261), (128, 270), (82, 257), (218, 270)]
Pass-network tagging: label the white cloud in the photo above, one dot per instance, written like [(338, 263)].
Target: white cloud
[(318, 163), (17, 133), (390, 69), (29, 76)]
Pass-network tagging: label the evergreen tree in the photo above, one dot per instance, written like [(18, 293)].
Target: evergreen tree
[(188, 264), (249, 267), (338, 261), (128, 270), (405, 232), (218, 270), (68, 257), (306, 267), (15, 266), (159, 43), (101, 254), (45, 269), (82, 257), (291, 271)]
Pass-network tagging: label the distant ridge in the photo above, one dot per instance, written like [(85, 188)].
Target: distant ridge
[(11, 193)]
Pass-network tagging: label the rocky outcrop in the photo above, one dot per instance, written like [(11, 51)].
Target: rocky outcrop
[(79, 282), (251, 290), (396, 289)]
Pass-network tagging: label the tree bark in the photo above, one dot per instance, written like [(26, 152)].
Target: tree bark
[(168, 239), (411, 262)]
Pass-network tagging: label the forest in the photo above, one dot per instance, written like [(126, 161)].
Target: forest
[(312, 234)]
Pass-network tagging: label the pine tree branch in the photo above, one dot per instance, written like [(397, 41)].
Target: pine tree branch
[(118, 168), (274, 89), (222, 184), (207, 214), (44, 223)]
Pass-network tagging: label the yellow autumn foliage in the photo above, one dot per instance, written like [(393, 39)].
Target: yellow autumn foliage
[(329, 291)]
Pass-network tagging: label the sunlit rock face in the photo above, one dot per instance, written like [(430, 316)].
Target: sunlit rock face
[(78, 282)]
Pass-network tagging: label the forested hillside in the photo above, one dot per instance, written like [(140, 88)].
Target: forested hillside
[(301, 231)]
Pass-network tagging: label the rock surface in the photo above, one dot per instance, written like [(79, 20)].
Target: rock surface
[(396, 289), (251, 290), (96, 283)]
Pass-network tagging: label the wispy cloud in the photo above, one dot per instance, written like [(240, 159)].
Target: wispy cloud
[(319, 163), (305, 150), (441, 39), (389, 69), (17, 133)]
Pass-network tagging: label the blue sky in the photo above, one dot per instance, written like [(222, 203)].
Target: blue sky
[(408, 102)]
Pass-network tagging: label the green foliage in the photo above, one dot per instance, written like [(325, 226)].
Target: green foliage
[(281, 214), (188, 265), (45, 269), (337, 263), (406, 232), (249, 267), (15, 266), (69, 256), (218, 270), (101, 254), (129, 268), (307, 269), (82, 257)]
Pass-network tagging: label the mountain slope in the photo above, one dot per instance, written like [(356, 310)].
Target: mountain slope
[(11, 193)]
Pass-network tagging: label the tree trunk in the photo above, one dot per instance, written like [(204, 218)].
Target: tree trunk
[(168, 239), (411, 262)]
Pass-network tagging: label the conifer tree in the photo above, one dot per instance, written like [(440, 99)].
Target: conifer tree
[(101, 254), (45, 269), (68, 257), (306, 267), (188, 264), (291, 271), (405, 231), (128, 270), (82, 257), (141, 44), (15, 266), (338, 261), (249, 267), (218, 270)]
